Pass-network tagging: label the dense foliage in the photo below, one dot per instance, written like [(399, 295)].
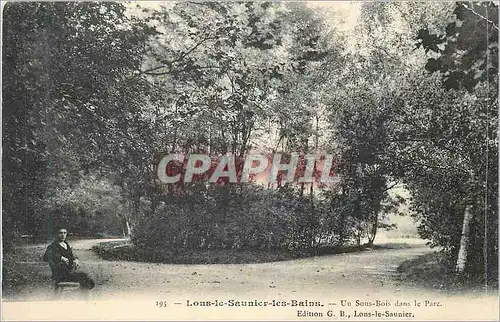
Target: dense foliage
[(96, 93), (461, 144)]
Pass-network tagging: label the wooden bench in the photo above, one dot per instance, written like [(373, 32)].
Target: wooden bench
[(61, 287)]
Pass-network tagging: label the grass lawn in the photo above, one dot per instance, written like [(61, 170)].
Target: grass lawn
[(21, 269), (435, 271)]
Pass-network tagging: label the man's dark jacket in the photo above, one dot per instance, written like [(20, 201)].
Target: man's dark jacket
[(53, 256)]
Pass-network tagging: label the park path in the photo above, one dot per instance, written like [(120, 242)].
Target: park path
[(368, 272), (129, 290)]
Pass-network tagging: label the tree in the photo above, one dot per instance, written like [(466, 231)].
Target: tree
[(467, 58), (227, 76), (66, 68), (363, 101)]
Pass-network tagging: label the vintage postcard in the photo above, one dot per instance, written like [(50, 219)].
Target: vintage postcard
[(281, 160)]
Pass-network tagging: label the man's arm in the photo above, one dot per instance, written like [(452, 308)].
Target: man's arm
[(49, 255), (75, 260), (52, 258), (71, 252)]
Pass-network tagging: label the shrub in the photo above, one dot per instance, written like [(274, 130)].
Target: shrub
[(228, 217)]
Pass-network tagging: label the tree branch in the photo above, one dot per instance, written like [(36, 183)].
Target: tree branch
[(170, 63), (181, 70), (479, 15), (438, 167), (390, 187)]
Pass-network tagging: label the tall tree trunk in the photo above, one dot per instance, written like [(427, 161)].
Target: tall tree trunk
[(464, 241), (129, 229), (313, 219), (125, 225), (373, 232)]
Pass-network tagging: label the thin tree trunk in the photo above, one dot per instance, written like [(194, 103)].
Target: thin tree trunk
[(129, 229), (125, 225), (174, 140), (209, 140), (373, 232), (464, 241), (313, 218)]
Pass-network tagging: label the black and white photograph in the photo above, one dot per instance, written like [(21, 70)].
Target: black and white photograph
[(250, 160)]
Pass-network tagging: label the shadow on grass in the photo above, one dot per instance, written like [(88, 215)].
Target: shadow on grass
[(436, 271), (22, 269)]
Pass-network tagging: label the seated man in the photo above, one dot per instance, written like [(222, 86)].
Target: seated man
[(64, 264)]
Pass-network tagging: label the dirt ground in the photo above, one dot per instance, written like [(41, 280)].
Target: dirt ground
[(366, 275)]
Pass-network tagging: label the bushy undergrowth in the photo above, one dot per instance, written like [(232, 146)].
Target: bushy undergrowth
[(234, 217), (437, 270), (125, 250)]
